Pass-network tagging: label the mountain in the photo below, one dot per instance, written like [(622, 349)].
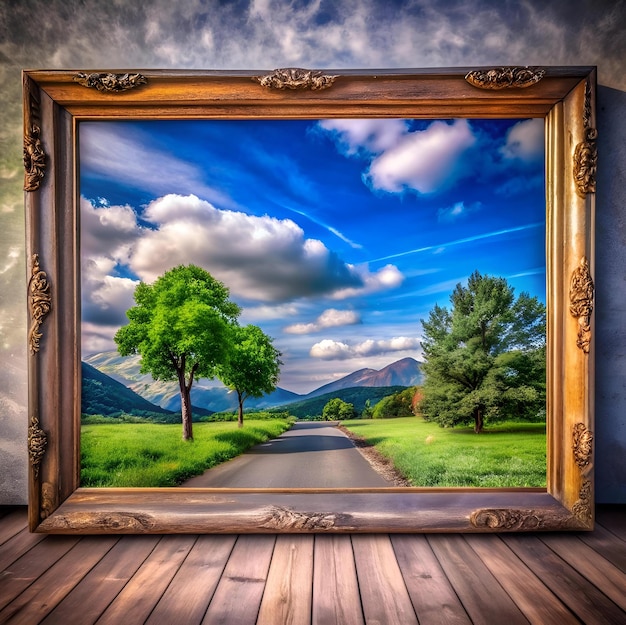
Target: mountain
[(210, 395), (356, 395), (214, 396), (103, 395), (405, 372)]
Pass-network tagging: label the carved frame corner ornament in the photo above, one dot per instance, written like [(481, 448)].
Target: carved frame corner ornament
[(110, 83), (34, 155), (506, 519), (581, 302), (583, 508), (586, 152), (583, 451), (37, 445), (296, 78), (582, 446), (505, 77), (39, 303)]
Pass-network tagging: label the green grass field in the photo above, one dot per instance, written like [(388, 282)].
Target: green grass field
[(504, 455), (149, 454)]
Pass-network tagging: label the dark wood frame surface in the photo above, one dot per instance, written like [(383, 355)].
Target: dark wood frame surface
[(55, 101)]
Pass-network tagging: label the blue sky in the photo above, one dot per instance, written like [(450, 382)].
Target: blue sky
[(335, 236)]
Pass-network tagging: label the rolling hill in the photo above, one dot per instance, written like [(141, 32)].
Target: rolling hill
[(210, 395), (355, 395), (103, 395), (213, 396)]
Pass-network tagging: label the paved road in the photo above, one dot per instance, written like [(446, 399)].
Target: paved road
[(309, 455)]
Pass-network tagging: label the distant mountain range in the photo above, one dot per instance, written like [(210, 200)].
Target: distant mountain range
[(405, 372), (213, 396)]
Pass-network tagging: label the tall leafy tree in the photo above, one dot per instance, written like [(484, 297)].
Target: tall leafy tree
[(337, 409), (180, 326), (485, 356), (253, 365), (399, 404)]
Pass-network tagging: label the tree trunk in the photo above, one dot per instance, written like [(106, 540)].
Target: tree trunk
[(185, 407), (478, 421), (240, 400)]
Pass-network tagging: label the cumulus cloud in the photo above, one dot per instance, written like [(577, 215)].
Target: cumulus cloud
[(108, 236), (330, 318), (107, 230), (388, 277), (525, 141), (373, 136), (337, 350), (425, 161), (268, 312), (260, 258), (106, 298)]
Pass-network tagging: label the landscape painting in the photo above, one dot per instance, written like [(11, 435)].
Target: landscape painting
[(313, 303)]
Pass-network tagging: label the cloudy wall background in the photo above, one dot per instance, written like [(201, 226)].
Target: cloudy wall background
[(265, 34)]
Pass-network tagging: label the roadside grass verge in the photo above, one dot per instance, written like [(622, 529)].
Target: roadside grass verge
[(153, 454), (507, 455)]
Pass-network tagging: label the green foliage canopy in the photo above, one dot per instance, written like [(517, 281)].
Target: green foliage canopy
[(336, 410), (485, 357), (180, 326), (253, 365), (397, 405)]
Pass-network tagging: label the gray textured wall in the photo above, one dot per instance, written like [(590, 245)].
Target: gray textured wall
[(263, 34)]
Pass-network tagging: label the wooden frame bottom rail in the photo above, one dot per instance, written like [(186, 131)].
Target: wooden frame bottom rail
[(110, 510)]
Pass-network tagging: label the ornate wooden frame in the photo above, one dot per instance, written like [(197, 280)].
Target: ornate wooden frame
[(54, 101)]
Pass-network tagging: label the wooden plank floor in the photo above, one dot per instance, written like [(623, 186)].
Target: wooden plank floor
[(552, 578)]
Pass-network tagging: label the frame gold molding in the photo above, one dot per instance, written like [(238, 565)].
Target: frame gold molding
[(586, 153), (296, 78), (39, 302), (505, 77), (561, 96), (37, 445), (581, 302), (34, 155), (110, 83)]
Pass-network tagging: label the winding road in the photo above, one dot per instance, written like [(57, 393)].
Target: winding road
[(309, 455)]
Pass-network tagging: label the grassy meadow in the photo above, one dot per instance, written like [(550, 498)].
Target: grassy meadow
[(153, 454), (504, 455)]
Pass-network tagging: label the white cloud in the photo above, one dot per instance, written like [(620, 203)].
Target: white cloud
[(107, 230), (329, 349), (425, 160), (260, 259), (108, 234), (105, 298), (12, 256), (525, 141), (457, 211), (116, 151), (97, 338), (267, 312), (388, 277), (372, 135), (330, 318)]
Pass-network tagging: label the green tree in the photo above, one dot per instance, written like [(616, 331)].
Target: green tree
[(485, 357), (253, 365), (336, 409), (399, 404), (368, 411), (180, 326)]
